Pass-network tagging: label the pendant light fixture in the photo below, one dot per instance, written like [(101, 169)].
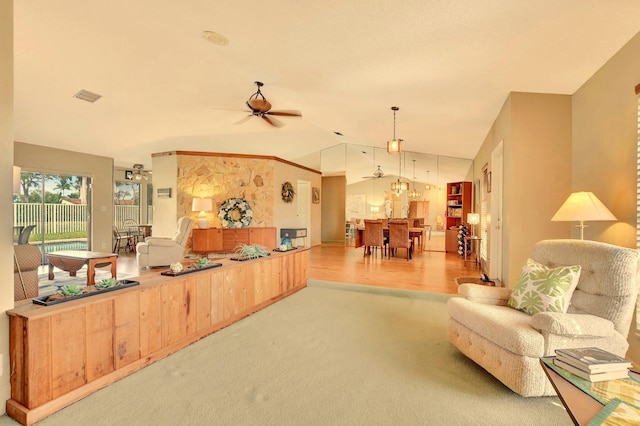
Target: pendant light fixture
[(413, 193), (399, 185), (427, 187), (394, 146)]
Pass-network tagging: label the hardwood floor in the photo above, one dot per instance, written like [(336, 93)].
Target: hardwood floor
[(428, 271), (432, 271)]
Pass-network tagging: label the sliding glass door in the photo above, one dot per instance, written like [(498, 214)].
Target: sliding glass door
[(53, 212)]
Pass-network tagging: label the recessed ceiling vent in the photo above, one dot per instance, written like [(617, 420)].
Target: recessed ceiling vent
[(88, 96)]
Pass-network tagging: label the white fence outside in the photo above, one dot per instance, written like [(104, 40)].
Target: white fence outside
[(62, 218)]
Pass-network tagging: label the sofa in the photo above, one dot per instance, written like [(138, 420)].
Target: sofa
[(25, 271), (508, 342), (163, 251)]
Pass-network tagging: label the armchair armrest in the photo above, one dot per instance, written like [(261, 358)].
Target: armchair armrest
[(485, 294), (161, 242), (147, 239), (572, 325)]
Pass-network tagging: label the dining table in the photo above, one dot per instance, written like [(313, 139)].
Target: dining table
[(417, 233), (144, 227)]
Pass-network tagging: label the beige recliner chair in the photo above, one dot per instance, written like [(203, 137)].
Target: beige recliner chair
[(508, 343), (162, 251)]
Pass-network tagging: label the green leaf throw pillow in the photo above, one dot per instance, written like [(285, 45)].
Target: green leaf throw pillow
[(541, 289)]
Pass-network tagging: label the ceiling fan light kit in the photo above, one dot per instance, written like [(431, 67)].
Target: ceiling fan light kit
[(139, 173)]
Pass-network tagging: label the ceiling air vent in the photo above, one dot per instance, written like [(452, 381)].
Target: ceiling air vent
[(88, 96)]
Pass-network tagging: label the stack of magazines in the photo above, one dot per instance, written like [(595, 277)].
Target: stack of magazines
[(593, 364)]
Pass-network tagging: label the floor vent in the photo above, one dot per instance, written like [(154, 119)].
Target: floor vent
[(88, 96)]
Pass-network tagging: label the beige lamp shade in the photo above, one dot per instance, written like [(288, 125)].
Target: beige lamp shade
[(473, 218), (202, 205), (582, 206)]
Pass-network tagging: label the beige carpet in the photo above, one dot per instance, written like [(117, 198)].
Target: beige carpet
[(331, 354)]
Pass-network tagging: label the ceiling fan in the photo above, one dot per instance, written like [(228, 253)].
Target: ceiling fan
[(260, 107), (376, 175)]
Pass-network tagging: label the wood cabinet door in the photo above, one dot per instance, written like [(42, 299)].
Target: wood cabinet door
[(207, 240), (263, 236)]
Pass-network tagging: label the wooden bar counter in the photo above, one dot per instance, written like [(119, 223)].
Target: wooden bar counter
[(64, 352)]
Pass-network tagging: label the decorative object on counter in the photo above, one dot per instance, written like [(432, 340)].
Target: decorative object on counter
[(71, 292), (107, 283), (203, 261), (284, 248), (176, 267), (286, 242), (287, 192), (192, 268), (202, 205), (250, 251), (235, 213)]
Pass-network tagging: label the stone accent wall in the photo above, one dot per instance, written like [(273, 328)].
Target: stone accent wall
[(222, 178)]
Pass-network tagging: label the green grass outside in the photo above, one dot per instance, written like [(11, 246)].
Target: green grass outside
[(59, 236)]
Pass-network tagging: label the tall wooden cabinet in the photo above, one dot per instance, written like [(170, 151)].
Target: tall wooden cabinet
[(458, 205), (419, 209)]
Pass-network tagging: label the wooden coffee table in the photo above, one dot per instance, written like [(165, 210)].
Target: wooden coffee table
[(72, 260)]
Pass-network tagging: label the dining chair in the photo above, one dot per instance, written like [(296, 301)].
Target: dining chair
[(119, 238), (399, 237), (136, 233), (373, 236), (25, 234)]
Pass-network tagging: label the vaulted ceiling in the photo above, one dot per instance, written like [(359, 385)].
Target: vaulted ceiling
[(447, 64)]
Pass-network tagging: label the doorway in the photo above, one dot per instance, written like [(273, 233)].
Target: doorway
[(53, 212), (303, 208), (495, 224)]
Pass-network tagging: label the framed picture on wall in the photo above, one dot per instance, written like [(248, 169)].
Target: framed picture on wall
[(315, 195)]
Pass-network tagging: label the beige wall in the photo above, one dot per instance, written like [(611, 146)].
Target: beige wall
[(604, 143), (100, 169), (535, 130), (605, 135), (6, 189), (537, 175), (333, 214)]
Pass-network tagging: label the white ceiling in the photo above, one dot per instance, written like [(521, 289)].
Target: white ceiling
[(448, 64)]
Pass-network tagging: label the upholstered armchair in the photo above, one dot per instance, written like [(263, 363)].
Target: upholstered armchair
[(162, 251), (508, 343), (27, 258)]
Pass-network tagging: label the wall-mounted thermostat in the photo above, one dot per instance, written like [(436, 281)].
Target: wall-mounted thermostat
[(164, 192)]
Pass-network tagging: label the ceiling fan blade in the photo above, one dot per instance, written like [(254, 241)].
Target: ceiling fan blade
[(242, 120), (287, 113), (229, 109), (272, 121)]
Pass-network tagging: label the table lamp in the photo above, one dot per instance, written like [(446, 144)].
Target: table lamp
[(203, 205), (473, 219), (581, 206)]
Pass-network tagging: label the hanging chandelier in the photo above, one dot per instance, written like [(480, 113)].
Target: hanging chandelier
[(413, 193), (394, 146), (399, 185), (427, 187)]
